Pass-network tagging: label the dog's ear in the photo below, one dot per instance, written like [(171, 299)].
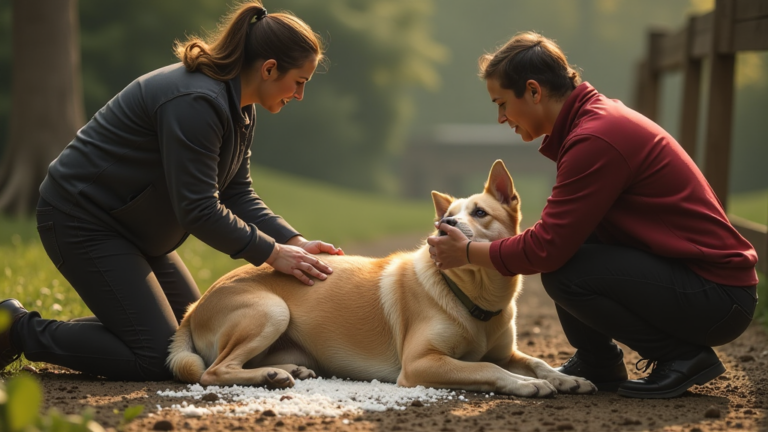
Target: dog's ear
[(442, 202), (500, 184)]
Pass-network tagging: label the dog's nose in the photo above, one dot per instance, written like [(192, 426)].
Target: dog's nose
[(450, 221)]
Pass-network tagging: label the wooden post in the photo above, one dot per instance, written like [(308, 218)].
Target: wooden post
[(689, 119), (649, 97), (717, 155), (640, 87)]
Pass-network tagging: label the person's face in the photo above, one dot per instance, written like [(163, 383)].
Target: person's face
[(277, 90), (524, 115)]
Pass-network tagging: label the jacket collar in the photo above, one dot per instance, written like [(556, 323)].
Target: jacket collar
[(567, 119), (247, 113)]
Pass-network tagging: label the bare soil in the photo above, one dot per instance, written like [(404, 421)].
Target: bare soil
[(737, 400)]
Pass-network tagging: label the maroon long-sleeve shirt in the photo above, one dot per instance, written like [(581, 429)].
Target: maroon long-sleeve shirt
[(623, 177)]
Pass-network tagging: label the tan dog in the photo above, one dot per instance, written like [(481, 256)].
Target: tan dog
[(393, 319)]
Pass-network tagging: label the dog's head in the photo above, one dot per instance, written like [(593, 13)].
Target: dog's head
[(491, 215)]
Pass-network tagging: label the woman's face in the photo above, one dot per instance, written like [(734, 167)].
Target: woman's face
[(524, 115), (277, 90)]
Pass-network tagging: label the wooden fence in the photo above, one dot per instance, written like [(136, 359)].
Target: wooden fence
[(734, 26)]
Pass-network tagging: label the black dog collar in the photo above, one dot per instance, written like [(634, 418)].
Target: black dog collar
[(474, 310)]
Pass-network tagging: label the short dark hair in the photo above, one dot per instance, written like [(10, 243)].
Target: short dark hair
[(530, 56)]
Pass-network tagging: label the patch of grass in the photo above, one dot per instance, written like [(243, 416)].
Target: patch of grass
[(751, 205), (325, 212), (15, 230)]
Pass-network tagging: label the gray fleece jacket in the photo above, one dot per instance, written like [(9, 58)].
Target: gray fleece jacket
[(167, 157)]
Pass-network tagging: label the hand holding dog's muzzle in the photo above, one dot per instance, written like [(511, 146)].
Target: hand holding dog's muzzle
[(448, 250)]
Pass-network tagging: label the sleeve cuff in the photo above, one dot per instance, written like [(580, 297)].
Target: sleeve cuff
[(258, 249), (278, 229), (496, 258)]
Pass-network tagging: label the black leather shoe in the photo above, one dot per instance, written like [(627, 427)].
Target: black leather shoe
[(605, 378), (672, 378), (9, 353)]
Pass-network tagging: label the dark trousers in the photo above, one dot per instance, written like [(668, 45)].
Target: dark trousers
[(656, 306), (138, 300)]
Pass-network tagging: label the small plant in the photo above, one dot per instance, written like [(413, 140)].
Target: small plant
[(129, 414), (20, 401)]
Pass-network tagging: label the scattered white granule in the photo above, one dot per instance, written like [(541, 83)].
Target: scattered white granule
[(313, 397)]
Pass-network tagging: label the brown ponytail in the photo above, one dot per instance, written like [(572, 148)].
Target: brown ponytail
[(530, 56), (247, 35)]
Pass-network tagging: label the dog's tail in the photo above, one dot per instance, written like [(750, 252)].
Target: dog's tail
[(183, 361)]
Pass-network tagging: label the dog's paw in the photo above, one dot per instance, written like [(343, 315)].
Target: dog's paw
[(535, 388), (572, 384), (303, 373), (278, 378)]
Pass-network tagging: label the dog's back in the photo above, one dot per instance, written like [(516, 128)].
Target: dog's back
[(341, 326)]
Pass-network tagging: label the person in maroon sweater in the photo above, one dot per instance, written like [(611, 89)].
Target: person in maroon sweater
[(633, 244)]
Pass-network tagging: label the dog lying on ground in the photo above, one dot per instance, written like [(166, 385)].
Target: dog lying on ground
[(395, 319)]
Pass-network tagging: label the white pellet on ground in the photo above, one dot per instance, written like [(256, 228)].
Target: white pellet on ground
[(314, 397)]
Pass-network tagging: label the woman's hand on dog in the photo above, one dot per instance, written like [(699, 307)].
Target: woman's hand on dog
[(448, 251), (317, 246), (300, 262)]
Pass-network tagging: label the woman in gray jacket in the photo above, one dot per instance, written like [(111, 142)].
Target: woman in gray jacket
[(165, 158)]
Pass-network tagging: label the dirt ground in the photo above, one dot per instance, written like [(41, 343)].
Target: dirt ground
[(737, 400)]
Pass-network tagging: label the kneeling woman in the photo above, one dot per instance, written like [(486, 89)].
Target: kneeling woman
[(165, 158)]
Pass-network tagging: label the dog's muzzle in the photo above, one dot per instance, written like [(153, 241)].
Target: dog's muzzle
[(464, 228)]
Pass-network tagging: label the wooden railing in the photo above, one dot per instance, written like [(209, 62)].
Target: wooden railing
[(734, 26)]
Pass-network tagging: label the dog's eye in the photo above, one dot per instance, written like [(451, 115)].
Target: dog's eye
[(479, 213)]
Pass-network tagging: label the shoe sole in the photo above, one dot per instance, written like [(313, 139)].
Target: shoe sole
[(702, 378), (611, 386)]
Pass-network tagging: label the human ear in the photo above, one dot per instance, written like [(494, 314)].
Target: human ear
[(268, 68), (535, 89)]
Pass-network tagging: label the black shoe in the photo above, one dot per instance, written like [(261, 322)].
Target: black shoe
[(605, 378), (9, 353), (672, 378)]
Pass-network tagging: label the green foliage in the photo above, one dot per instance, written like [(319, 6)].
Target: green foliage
[(355, 118), (121, 41), (20, 402), (24, 398), (129, 414)]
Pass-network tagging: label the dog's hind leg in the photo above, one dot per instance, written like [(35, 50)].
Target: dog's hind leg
[(251, 327)]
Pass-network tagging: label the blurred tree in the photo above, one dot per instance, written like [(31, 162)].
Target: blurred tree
[(123, 40), (46, 97), (355, 118)]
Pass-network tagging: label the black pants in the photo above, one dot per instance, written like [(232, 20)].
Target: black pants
[(656, 306), (138, 300)]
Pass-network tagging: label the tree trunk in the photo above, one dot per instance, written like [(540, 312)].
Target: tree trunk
[(46, 97)]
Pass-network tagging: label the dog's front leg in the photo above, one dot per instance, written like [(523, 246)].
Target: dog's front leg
[(526, 365), (441, 371)]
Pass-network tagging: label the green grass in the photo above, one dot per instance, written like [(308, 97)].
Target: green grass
[(750, 205)]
